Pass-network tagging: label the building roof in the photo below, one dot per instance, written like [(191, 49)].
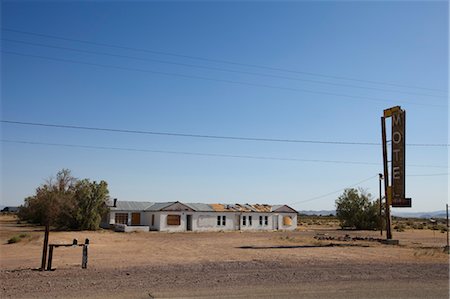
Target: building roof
[(132, 205), (201, 207)]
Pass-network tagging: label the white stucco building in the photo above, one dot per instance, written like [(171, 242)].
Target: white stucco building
[(178, 217)]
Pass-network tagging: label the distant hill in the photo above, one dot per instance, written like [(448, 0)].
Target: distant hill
[(320, 212), (435, 214)]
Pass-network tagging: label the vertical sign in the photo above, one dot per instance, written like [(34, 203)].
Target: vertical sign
[(398, 159)]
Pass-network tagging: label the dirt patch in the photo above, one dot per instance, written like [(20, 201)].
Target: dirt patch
[(140, 265)]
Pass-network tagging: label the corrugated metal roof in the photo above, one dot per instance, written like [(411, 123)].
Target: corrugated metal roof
[(159, 205), (201, 207), (132, 205)]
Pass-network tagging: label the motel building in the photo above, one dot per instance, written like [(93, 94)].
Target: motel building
[(128, 216)]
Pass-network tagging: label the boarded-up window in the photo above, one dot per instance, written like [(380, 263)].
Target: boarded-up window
[(287, 220), (173, 219), (121, 218)]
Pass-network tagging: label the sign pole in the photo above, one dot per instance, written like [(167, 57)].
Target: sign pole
[(386, 179)]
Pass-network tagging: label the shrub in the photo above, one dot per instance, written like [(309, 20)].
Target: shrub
[(14, 239)]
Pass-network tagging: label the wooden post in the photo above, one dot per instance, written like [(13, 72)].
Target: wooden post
[(44, 249), (50, 258), (84, 259), (386, 179)]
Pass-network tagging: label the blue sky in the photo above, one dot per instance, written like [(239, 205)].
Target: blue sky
[(284, 45)]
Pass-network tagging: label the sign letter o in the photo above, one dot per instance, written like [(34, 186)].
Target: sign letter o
[(396, 137)]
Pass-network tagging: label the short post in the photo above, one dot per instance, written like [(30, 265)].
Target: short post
[(84, 259), (50, 258), (45, 246)]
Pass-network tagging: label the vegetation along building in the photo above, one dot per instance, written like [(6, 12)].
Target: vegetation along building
[(177, 217)]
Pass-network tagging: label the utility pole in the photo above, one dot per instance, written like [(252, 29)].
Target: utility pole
[(380, 176), (386, 179), (447, 248)]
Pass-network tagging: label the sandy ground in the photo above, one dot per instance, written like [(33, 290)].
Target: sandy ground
[(228, 265)]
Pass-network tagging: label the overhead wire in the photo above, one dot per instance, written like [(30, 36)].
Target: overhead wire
[(216, 60), (243, 83), (203, 154), (128, 131), (360, 182), (215, 68)]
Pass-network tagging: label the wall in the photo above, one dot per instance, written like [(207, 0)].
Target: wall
[(281, 225), (207, 221)]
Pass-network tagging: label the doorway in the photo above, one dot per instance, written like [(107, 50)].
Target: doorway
[(189, 222), (136, 219)]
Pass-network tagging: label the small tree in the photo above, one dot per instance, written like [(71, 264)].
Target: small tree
[(67, 203), (355, 209), (90, 198)]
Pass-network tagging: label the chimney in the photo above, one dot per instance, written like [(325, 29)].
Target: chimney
[(115, 202)]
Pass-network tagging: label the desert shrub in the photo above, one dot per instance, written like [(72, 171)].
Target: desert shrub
[(14, 239), (399, 227), (23, 235), (354, 208)]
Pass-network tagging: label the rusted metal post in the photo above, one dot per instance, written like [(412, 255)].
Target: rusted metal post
[(44, 249), (386, 179), (50, 258)]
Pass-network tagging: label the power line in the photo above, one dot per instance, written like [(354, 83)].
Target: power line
[(334, 192), (373, 99), (428, 174), (187, 153), (363, 181), (217, 60), (216, 68), (206, 136), (204, 154)]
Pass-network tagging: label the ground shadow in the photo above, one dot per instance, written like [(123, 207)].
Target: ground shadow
[(302, 246)]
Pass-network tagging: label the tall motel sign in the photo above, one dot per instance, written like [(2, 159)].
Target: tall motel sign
[(394, 184)]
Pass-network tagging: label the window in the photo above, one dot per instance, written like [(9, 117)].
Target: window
[(250, 220), (153, 219), (266, 220), (173, 219), (244, 220), (287, 220), (121, 218), (260, 220), (221, 220)]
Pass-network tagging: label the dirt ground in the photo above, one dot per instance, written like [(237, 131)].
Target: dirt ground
[(224, 265)]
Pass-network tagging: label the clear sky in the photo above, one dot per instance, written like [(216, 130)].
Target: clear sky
[(288, 70)]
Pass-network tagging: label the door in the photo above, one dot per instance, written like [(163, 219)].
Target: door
[(237, 224), (275, 222), (135, 218), (188, 222)]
